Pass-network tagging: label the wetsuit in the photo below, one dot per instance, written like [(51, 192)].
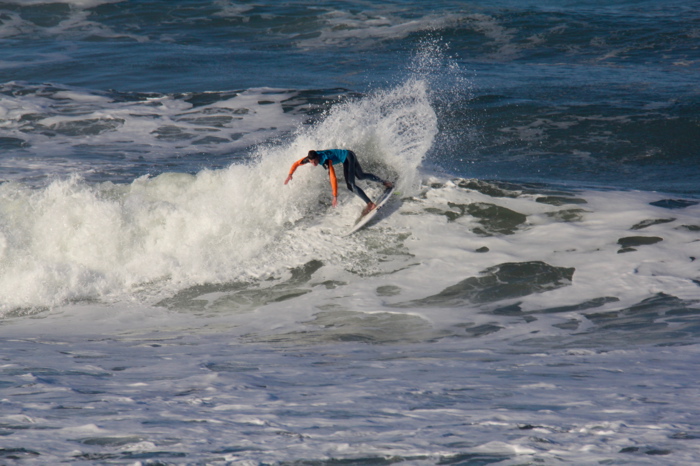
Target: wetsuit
[(351, 170)]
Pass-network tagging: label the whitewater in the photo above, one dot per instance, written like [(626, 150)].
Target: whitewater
[(529, 294), (86, 241), (221, 317)]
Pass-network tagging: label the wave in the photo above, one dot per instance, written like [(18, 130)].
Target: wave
[(63, 130), (527, 265), (73, 240), (590, 34)]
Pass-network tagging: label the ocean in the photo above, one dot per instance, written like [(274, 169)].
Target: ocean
[(529, 295)]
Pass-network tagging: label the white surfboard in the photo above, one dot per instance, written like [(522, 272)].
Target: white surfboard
[(364, 219)]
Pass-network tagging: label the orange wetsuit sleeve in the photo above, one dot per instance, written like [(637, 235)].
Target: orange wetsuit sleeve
[(334, 180), (295, 165)]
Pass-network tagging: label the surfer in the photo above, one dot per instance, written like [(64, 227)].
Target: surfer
[(351, 170)]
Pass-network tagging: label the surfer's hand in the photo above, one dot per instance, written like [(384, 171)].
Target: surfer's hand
[(289, 178), (335, 201)]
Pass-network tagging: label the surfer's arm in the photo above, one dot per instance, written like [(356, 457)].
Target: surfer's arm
[(334, 182), (295, 165)]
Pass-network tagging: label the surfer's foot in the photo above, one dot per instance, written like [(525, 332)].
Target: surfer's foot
[(388, 184), (369, 208)]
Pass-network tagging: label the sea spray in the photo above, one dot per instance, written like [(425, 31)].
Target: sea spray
[(451, 90), (74, 240), (450, 331), (390, 130)]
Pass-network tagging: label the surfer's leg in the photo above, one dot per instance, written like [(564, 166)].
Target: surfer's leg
[(361, 175), (350, 174)]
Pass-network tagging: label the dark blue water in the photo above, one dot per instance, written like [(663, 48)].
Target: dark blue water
[(578, 92)]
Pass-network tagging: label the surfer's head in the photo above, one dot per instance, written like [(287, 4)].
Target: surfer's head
[(313, 157)]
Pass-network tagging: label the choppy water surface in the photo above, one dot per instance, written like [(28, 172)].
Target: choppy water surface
[(529, 295)]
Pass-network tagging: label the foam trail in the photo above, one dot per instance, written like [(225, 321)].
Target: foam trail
[(73, 240)]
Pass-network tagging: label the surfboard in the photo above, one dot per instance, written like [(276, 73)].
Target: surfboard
[(364, 219)]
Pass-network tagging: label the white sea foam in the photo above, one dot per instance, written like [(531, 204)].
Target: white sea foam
[(145, 316), (56, 122), (13, 24), (76, 24), (365, 29), (86, 241), (216, 316), (231, 9), (427, 403)]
